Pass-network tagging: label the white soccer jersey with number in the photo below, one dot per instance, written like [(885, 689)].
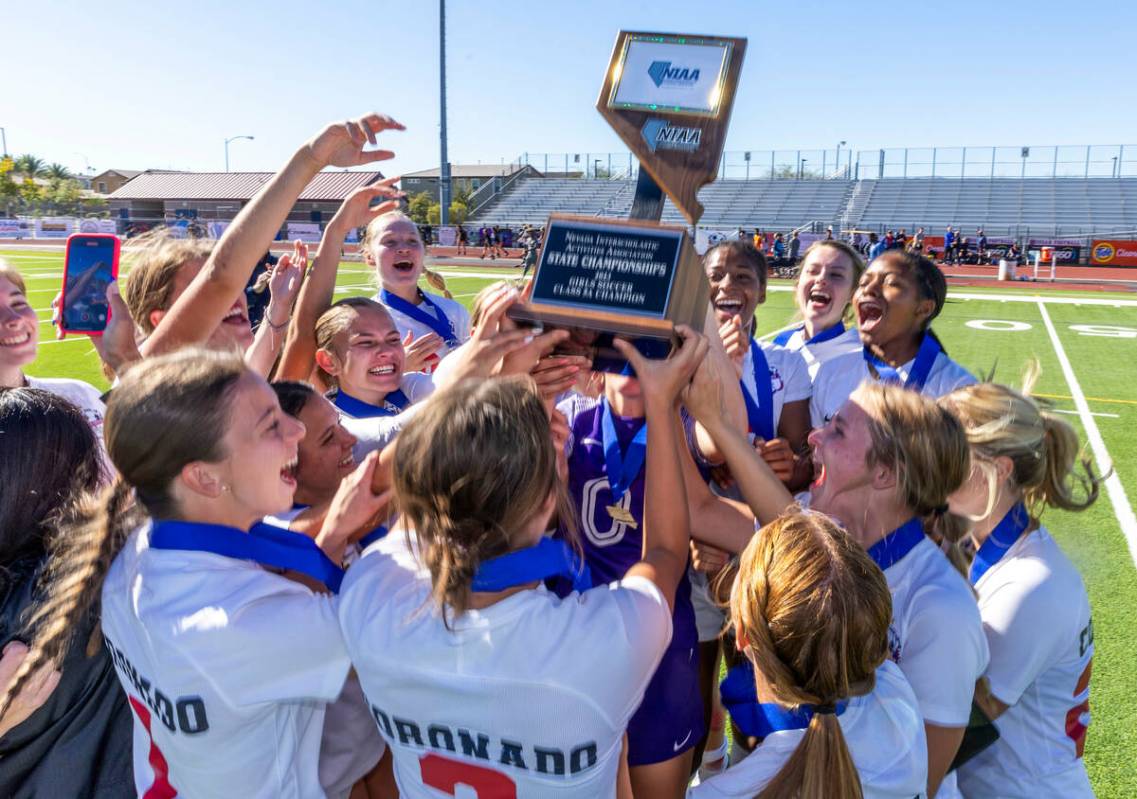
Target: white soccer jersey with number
[(228, 668), (823, 351), (838, 378), (885, 736), (526, 698), (1037, 619)]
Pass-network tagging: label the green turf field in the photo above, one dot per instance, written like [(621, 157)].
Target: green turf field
[(1103, 364)]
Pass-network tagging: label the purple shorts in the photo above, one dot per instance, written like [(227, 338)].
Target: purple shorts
[(669, 721)]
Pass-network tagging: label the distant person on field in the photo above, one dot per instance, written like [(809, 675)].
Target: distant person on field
[(779, 247), (758, 239), (829, 233), (902, 239), (949, 245), (918, 240), (795, 246), (982, 239), (427, 233), (876, 247), (463, 240)]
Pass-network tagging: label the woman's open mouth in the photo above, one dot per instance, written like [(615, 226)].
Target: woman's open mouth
[(869, 314), (16, 340), (288, 471)]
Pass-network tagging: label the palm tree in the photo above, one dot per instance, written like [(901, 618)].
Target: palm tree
[(30, 167), (58, 171)]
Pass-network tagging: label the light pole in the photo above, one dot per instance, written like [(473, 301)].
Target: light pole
[(840, 144), (443, 157), (801, 168), (596, 168), (4, 140), (232, 138), (1114, 173)]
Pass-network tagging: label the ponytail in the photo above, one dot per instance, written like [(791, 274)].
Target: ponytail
[(437, 282), (73, 576), (949, 530), (819, 768), (1061, 479)]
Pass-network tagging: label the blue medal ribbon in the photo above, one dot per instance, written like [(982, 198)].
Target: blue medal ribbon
[(393, 404), (783, 338), (760, 409), (894, 546), (549, 558), (264, 544), (622, 469), (378, 533), (440, 323), (760, 719), (922, 367), (1001, 539)]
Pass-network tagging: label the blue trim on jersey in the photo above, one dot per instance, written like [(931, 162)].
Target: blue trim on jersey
[(930, 348), (393, 404), (440, 324), (1001, 539), (264, 544), (760, 409), (760, 719), (622, 469), (894, 546), (783, 338), (548, 558), (377, 534)]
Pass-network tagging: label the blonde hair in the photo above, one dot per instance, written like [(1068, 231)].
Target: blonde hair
[(436, 281), (813, 610), (173, 412), (1043, 448), (13, 274), (926, 448), (156, 257), (854, 258), (336, 320), (468, 502), (478, 306)]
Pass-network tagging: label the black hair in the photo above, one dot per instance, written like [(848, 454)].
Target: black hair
[(751, 256), (293, 395)]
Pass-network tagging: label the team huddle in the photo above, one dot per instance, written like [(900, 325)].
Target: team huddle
[(388, 547)]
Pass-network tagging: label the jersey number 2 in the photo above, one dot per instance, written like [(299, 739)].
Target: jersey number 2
[(1075, 725), (160, 788), (446, 775)]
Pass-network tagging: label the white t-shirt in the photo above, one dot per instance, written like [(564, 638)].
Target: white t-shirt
[(456, 312), (84, 395), (529, 697), (885, 736), (789, 376), (819, 353), (1037, 619), (839, 377), (376, 432), (936, 636), (228, 668)]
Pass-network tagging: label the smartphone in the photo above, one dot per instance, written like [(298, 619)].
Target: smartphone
[(91, 264)]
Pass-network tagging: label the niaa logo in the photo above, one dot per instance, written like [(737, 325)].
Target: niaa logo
[(661, 135), (1104, 252), (662, 72)]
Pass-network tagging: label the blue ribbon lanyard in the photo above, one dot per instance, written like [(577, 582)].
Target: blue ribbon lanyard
[(264, 544), (760, 719), (622, 469), (393, 404), (1001, 539), (549, 558), (440, 324), (921, 368), (760, 409), (894, 546), (783, 338), (377, 534)]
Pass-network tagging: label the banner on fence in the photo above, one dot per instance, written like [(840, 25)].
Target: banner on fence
[(217, 227), (1114, 252), (305, 231), (1066, 254), (54, 227), (447, 235), (97, 226), (707, 236), (10, 229)]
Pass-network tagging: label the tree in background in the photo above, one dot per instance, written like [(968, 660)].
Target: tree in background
[(57, 171), (458, 213), (418, 208), (30, 167), (9, 189)]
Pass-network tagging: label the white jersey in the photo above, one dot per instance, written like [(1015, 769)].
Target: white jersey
[(885, 736), (836, 379), (789, 376), (527, 698), (456, 313), (936, 636), (228, 668), (1037, 618), (84, 395), (376, 432), (823, 351)]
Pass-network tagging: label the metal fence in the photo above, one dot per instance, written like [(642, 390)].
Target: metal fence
[(846, 163)]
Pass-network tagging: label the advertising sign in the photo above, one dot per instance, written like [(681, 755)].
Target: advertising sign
[(305, 231), (1113, 252), (54, 227)]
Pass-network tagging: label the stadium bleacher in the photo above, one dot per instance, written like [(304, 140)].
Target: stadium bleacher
[(1003, 206)]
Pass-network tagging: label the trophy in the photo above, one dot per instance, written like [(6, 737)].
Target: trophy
[(669, 97)]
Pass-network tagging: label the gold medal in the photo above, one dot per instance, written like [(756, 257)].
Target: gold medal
[(618, 513)]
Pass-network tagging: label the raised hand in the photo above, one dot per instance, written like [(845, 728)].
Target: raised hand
[(421, 352), (360, 207), (735, 342), (706, 396), (284, 281), (779, 456), (342, 143), (354, 508), (664, 379)]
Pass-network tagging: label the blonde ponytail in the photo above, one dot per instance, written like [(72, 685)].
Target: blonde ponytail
[(820, 768), (1062, 482)]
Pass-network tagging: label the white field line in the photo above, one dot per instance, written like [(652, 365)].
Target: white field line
[(1075, 413), (1113, 487)]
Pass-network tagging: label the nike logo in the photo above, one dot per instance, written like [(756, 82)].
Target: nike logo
[(686, 738)]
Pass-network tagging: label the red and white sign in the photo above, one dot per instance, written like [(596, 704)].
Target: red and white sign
[(1113, 252)]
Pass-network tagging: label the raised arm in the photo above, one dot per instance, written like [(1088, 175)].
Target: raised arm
[(319, 286), (283, 281), (199, 310), (667, 525)]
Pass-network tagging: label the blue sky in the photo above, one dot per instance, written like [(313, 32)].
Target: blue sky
[(160, 85)]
